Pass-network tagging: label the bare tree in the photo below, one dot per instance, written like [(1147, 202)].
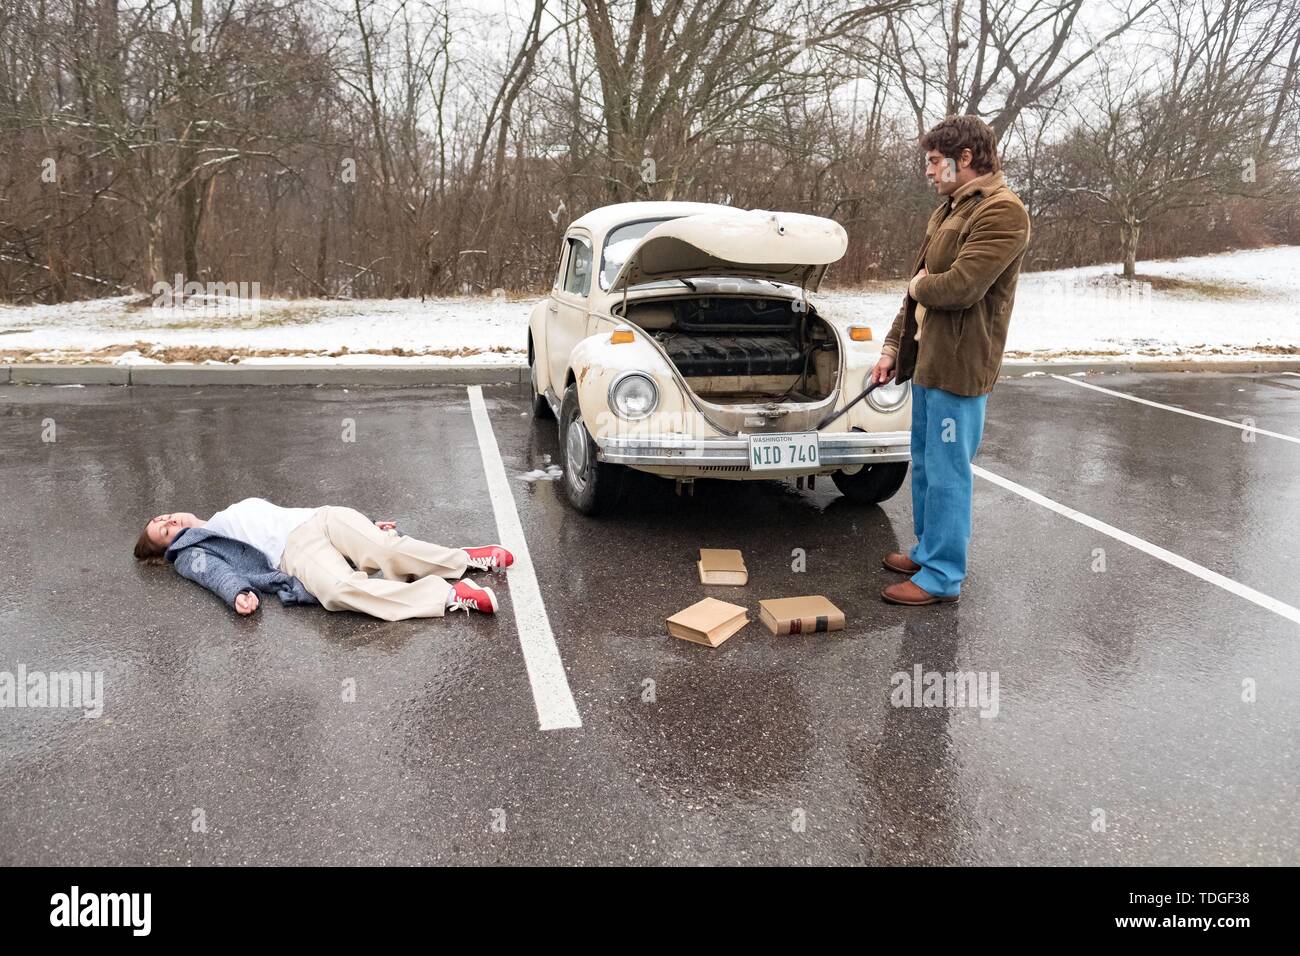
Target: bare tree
[(693, 73), (993, 58), (1144, 149)]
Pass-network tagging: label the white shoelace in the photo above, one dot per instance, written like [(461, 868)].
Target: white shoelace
[(462, 604), (458, 603)]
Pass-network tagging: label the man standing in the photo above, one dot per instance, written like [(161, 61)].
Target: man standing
[(948, 338)]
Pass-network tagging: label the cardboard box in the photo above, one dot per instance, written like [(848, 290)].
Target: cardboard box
[(708, 622), (800, 615), (722, 566)]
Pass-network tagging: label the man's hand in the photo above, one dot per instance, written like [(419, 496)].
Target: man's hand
[(915, 279), (246, 603), (385, 525), (883, 370)]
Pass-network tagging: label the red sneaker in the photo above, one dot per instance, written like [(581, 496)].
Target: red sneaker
[(468, 597), (489, 557)]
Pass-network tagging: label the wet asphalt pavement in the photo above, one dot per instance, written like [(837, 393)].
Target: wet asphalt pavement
[(1121, 735)]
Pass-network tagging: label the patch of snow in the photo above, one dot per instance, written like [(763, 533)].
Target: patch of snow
[(550, 473), (133, 357), (1067, 315)]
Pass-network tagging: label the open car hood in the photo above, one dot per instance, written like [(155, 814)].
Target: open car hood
[(782, 246)]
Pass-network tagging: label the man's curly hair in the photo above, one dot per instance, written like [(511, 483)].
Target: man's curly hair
[(965, 132)]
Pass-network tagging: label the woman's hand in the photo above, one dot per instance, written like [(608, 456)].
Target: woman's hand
[(246, 603), (385, 525)]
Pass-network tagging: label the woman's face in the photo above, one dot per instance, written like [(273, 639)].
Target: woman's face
[(163, 529)]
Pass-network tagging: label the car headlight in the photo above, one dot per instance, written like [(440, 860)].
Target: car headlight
[(889, 398), (633, 395)]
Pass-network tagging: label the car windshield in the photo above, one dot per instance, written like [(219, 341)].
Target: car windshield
[(619, 245)]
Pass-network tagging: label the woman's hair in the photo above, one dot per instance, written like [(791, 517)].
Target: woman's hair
[(146, 550), (966, 132)]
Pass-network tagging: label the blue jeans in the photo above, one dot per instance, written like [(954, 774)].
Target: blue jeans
[(946, 433)]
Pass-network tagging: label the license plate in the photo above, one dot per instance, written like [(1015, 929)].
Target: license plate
[(783, 451)]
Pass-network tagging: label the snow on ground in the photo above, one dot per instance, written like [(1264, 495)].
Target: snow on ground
[(1236, 304), (1239, 304), (460, 330)]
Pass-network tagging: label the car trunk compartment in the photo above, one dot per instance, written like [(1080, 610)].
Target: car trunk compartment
[(698, 355), (754, 364)]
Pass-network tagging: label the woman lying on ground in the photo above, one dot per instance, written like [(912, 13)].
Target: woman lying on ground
[(303, 555)]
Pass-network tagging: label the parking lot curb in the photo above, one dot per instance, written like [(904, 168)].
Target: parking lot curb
[(36, 374), (501, 374)]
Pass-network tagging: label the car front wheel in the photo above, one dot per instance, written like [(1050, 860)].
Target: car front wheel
[(872, 484), (591, 486)]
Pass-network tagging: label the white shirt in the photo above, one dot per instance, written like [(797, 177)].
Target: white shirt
[(257, 522)]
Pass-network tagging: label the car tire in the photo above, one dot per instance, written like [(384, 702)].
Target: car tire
[(873, 483), (591, 486), (541, 407)]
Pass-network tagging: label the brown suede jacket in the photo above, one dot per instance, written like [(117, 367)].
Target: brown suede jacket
[(974, 245)]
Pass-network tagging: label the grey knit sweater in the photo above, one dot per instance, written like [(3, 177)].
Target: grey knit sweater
[(228, 567)]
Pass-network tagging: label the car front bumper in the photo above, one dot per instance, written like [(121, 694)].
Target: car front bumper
[(835, 450)]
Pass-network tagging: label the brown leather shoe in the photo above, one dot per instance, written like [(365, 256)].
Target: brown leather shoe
[(909, 594), (900, 563)]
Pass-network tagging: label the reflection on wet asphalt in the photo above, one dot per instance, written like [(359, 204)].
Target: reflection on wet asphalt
[(1120, 690)]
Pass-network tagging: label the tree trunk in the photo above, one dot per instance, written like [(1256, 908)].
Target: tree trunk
[(153, 261), (955, 45), (190, 215), (1128, 240), (273, 224), (322, 252), (190, 197)]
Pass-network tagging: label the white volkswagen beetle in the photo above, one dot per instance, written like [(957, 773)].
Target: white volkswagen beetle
[(680, 339)]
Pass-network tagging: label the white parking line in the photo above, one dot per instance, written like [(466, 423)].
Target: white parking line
[(1296, 374), (1180, 411), (1191, 567), (555, 706)]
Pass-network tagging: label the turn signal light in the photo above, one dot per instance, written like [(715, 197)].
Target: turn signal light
[(621, 335), (860, 333)]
